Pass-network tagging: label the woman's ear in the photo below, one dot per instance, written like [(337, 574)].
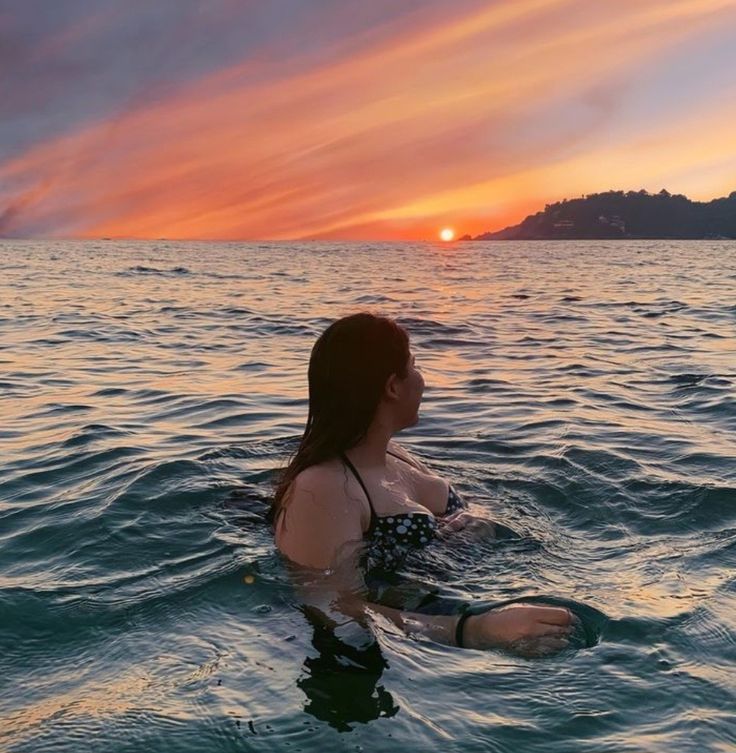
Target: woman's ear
[(392, 388)]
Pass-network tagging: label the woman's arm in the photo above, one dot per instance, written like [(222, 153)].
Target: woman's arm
[(332, 607), (527, 629)]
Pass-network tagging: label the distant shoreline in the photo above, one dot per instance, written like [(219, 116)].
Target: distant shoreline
[(631, 215)]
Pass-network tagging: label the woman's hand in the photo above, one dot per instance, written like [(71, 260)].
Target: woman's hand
[(526, 629), (464, 520)]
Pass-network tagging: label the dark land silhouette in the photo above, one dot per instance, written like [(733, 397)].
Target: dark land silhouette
[(630, 214)]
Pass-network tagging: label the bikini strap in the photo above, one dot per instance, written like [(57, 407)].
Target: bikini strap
[(347, 462)]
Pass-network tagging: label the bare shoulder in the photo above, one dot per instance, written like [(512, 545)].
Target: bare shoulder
[(321, 476), (319, 486), (319, 517)]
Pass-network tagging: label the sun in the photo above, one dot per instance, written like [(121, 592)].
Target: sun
[(447, 234)]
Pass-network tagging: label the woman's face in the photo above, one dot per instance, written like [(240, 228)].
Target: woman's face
[(414, 388)]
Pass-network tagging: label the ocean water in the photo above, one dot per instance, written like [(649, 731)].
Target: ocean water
[(582, 394)]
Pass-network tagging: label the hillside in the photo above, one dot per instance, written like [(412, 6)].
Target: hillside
[(631, 214)]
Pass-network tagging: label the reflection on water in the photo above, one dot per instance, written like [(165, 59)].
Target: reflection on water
[(341, 683), (580, 395)]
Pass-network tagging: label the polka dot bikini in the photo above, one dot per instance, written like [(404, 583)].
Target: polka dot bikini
[(393, 537)]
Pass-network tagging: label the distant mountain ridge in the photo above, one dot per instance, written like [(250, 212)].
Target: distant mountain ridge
[(630, 214)]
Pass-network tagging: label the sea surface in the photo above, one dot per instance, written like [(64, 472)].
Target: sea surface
[(581, 393)]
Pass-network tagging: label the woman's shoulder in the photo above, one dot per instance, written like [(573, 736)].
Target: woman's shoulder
[(324, 476), (325, 484), (318, 518)]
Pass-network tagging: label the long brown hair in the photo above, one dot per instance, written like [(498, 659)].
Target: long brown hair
[(348, 369)]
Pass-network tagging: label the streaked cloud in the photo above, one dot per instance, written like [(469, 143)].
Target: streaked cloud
[(380, 124)]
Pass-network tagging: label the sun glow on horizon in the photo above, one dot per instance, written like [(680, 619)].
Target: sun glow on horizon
[(447, 234)]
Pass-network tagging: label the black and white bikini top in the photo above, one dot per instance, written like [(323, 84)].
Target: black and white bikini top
[(392, 537)]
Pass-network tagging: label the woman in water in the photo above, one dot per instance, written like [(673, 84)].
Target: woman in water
[(352, 500)]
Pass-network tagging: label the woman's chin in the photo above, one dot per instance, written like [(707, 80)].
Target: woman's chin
[(412, 421)]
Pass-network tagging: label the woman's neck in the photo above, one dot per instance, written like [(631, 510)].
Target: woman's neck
[(370, 452)]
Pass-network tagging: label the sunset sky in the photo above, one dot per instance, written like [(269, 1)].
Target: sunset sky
[(337, 119)]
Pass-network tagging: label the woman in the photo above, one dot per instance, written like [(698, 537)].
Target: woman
[(352, 499)]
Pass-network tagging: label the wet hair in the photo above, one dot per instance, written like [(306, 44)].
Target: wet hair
[(348, 369)]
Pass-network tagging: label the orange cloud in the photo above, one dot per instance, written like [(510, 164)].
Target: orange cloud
[(390, 142)]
